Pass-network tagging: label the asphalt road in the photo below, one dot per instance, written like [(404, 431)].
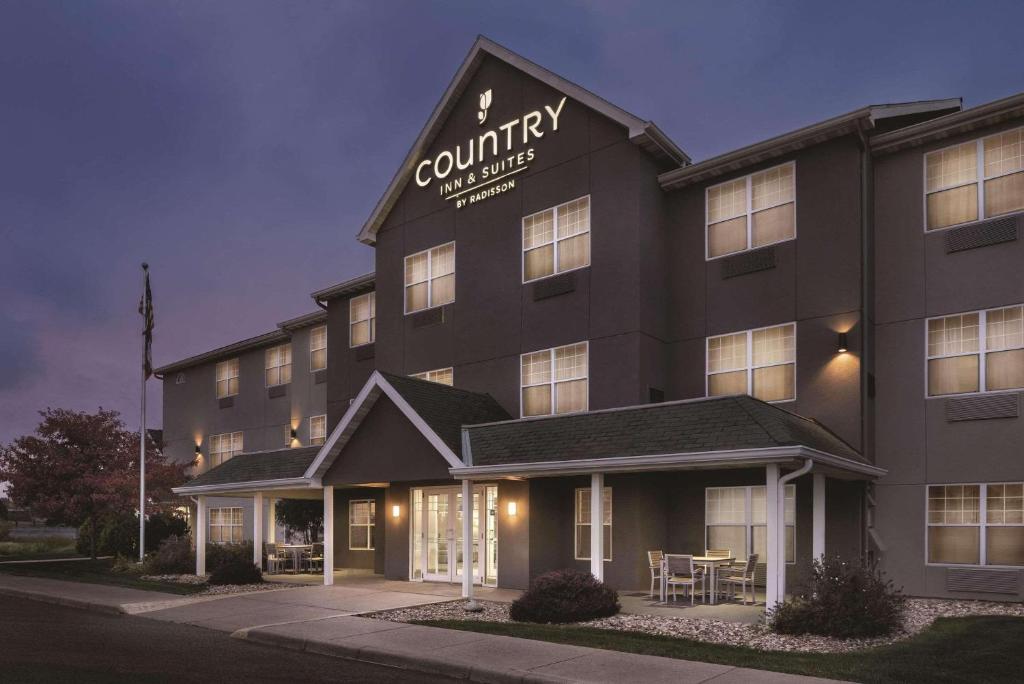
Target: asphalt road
[(40, 642)]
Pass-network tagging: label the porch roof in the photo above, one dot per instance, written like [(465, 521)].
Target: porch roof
[(257, 470)]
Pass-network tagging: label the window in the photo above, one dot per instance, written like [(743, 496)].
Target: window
[(225, 525), (735, 518), (443, 376), (554, 380), (279, 365), (981, 351), (317, 429), (976, 524), (583, 523), (556, 240), (361, 522), (288, 439), (953, 195), (224, 446), (227, 378), (751, 212), (362, 319), (761, 363), (318, 348), (430, 278)]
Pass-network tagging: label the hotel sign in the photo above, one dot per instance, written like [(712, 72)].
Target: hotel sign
[(486, 165)]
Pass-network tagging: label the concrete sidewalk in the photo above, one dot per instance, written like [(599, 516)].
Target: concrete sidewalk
[(99, 597)]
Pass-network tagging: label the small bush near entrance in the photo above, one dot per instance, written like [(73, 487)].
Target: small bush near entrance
[(174, 557), (236, 571), (219, 554), (845, 600), (565, 596)]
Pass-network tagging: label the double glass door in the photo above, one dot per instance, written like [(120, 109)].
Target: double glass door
[(437, 534)]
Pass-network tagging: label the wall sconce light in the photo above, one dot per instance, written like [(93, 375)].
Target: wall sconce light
[(295, 433), (841, 347), (199, 452), (513, 509), (396, 511)]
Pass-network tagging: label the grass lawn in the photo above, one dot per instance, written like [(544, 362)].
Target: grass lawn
[(35, 549), (969, 649), (95, 572)]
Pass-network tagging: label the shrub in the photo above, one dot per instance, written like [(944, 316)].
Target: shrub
[(125, 566), (174, 557), (219, 554), (236, 571), (163, 525), (5, 530), (845, 600), (565, 596), (116, 535)]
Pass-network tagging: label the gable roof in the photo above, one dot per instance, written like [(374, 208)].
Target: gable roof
[(262, 468), (643, 133)]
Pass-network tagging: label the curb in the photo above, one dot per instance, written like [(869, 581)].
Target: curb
[(80, 604)]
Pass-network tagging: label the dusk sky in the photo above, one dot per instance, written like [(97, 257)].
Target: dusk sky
[(239, 146)]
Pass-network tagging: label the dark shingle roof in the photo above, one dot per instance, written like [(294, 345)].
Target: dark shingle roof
[(259, 466), (446, 409), (715, 424)]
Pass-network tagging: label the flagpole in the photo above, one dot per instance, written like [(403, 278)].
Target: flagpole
[(142, 432)]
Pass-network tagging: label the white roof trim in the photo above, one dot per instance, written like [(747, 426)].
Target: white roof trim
[(263, 485)]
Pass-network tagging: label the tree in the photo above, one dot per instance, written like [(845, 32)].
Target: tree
[(82, 467), (302, 516)]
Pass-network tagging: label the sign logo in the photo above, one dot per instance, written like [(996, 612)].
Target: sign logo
[(485, 104)]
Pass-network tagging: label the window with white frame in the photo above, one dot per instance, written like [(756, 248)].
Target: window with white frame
[(976, 524), (953, 193), (287, 434), (362, 319), (361, 523), (317, 429), (318, 348), (980, 351), (224, 447), (555, 380), (225, 525), (735, 518), (279, 365), (761, 363), (752, 211), (227, 378), (430, 278), (556, 240), (442, 376), (583, 522)]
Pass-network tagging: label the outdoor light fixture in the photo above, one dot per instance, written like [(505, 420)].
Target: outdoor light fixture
[(198, 450), (841, 348), (513, 509), (396, 511), (295, 433)]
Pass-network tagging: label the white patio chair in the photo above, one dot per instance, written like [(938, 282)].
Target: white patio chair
[(741, 576), (680, 571), (654, 559)]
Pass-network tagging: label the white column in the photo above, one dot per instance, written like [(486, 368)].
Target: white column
[(774, 531), (328, 535), (597, 525), (257, 530), (467, 539), (272, 520), (818, 520), (201, 535)]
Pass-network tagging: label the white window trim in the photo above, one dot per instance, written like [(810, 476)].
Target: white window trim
[(749, 524), (425, 375), (231, 440), (577, 524), (750, 367), (551, 383), (982, 353), (311, 349), (982, 523), (371, 319), (749, 214), (237, 376), (324, 438), (429, 281), (210, 525), (267, 368), (554, 240), (980, 181), (371, 524)]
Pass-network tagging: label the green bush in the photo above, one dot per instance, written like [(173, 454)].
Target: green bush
[(163, 525), (236, 571), (116, 535), (565, 596), (126, 566), (5, 530), (219, 554), (174, 557), (844, 600)]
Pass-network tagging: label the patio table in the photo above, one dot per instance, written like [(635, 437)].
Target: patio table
[(296, 553), (710, 562)]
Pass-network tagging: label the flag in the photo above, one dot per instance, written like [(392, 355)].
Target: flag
[(146, 311)]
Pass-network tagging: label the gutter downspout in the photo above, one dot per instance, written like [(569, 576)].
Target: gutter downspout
[(781, 517), (867, 315), (319, 303)]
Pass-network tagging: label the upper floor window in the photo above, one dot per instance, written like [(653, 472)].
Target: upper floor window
[(227, 378), (556, 240), (751, 212), (761, 363), (225, 446), (279, 365), (976, 524), (981, 351), (317, 429), (555, 380), (362, 319), (318, 348), (443, 376), (953, 193), (430, 278)]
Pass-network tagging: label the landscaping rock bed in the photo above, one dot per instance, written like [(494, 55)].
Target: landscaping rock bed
[(920, 613), (211, 590)]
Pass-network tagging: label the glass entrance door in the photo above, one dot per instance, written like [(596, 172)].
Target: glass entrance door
[(436, 543)]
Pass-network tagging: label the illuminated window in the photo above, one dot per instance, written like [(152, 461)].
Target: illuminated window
[(362, 319), (227, 378), (583, 522), (279, 365), (225, 525), (317, 429), (556, 240), (362, 516), (976, 524), (953, 195), (752, 211), (430, 278), (735, 518), (224, 447), (318, 348), (555, 380), (287, 431), (441, 376), (761, 363), (981, 351)]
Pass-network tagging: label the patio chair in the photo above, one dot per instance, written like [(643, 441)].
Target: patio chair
[(275, 562), (316, 557), (718, 553), (680, 571), (654, 559), (741, 576)]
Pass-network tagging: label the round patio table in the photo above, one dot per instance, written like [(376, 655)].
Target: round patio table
[(710, 562), (295, 550)]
